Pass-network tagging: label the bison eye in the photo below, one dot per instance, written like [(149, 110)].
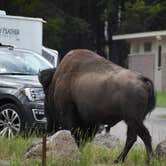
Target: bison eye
[(34, 94)]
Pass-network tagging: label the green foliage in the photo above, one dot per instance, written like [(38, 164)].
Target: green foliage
[(23, 7), (161, 99), (111, 9), (138, 16), (68, 33), (53, 33)]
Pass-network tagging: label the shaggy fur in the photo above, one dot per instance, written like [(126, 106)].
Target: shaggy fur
[(87, 91)]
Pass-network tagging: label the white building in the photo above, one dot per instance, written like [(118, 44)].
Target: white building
[(148, 55)]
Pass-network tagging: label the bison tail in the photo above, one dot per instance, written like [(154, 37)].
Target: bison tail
[(151, 94)]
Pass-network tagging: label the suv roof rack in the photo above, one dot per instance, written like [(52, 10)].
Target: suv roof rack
[(8, 46)]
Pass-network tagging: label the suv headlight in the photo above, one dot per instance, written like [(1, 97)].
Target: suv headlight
[(34, 94)]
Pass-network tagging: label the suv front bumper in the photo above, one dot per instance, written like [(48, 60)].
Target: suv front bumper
[(34, 114)]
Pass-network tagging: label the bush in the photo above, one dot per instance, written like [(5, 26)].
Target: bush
[(67, 33)]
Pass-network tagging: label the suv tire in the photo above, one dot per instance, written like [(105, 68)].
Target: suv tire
[(11, 120)]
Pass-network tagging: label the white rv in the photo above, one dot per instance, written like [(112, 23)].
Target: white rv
[(25, 33)]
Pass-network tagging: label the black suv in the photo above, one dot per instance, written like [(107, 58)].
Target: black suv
[(21, 94)]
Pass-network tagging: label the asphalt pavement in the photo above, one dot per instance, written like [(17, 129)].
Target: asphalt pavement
[(155, 122)]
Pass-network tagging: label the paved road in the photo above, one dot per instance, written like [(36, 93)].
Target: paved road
[(156, 124)]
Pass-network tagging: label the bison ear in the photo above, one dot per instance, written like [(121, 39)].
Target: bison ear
[(45, 76)]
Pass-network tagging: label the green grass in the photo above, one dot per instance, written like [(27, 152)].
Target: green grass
[(161, 99), (91, 155), (162, 116), (13, 150)]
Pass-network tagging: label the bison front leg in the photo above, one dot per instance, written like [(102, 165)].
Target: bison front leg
[(49, 125), (85, 133), (90, 132), (131, 138)]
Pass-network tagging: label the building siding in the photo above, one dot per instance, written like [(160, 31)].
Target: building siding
[(143, 64)]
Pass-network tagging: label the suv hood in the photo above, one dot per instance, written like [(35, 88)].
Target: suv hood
[(17, 81)]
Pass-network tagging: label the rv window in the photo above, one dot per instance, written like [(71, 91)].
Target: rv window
[(147, 47)]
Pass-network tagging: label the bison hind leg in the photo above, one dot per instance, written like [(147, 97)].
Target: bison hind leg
[(145, 136), (131, 138)]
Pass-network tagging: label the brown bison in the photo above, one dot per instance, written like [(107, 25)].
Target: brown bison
[(87, 91)]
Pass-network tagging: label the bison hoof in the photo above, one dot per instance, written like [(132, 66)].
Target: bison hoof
[(119, 160), (116, 161)]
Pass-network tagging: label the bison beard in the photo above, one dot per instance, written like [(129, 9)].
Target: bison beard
[(87, 91)]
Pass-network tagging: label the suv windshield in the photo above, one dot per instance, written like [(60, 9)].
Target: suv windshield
[(20, 62)]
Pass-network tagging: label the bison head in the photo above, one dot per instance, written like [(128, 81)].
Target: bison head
[(45, 78)]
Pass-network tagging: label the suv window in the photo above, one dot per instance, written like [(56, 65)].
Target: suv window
[(21, 62)]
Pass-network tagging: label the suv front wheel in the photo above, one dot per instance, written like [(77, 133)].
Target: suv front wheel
[(11, 121)]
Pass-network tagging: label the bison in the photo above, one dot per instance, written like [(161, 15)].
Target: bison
[(87, 91)]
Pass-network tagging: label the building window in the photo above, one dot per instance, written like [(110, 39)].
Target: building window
[(136, 48), (147, 47)]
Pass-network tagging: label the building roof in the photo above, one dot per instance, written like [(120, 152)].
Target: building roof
[(139, 35)]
